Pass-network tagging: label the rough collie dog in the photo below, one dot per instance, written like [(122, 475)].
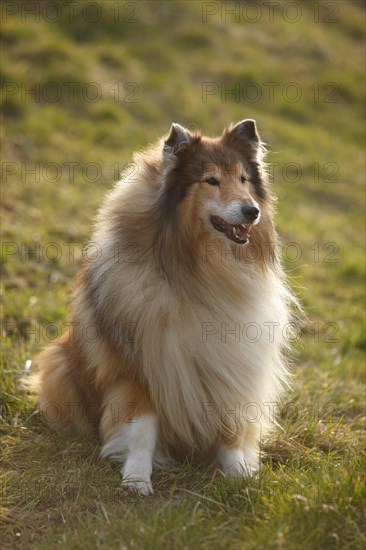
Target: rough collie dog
[(179, 321)]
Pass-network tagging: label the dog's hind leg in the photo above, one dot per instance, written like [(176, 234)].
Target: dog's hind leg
[(62, 389), (129, 428)]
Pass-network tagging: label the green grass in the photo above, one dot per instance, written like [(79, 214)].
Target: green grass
[(57, 493)]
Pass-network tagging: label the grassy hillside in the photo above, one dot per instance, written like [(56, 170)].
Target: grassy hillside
[(106, 82)]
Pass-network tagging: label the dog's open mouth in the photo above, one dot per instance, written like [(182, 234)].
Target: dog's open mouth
[(238, 233)]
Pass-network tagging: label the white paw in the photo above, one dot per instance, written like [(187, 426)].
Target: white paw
[(142, 487), (238, 470), (136, 472), (237, 463)]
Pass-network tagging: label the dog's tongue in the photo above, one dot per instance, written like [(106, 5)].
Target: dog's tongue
[(240, 230), (236, 231)]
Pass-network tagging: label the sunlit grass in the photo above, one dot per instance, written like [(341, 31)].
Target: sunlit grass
[(57, 493)]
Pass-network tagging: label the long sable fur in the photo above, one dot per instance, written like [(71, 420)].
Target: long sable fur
[(151, 290)]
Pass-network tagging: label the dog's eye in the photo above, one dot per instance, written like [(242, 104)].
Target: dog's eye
[(242, 179), (213, 181)]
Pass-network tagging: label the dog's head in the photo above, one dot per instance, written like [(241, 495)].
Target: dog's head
[(217, 184)]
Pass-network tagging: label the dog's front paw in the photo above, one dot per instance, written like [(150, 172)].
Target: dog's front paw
[(240, 469), (237, 463), (142, 487), (136, 473)]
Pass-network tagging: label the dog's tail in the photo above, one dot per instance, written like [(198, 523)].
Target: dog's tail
[(62, 405)]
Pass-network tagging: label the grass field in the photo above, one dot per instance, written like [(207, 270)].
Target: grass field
[(82, 89)]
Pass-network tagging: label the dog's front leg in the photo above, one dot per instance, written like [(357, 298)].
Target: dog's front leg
[(129, 428), (141, 442), (237, 455)]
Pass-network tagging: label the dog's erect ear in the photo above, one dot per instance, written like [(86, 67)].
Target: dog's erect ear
[(178, 138), (246, 131), (244, 138)]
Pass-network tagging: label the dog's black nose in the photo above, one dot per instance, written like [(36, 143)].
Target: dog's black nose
[(250, 213)]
